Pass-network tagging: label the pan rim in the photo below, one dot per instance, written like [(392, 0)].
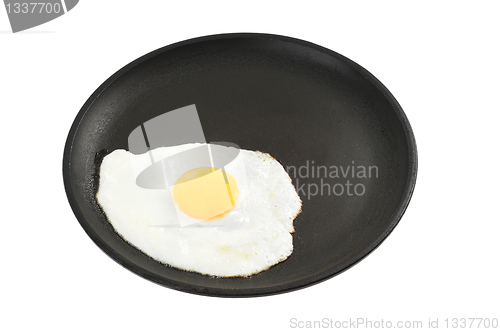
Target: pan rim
[(249, 292)]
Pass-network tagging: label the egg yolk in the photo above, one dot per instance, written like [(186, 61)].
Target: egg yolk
[(205, 193)]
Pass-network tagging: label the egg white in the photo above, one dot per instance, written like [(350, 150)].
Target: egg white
[(252, 237)]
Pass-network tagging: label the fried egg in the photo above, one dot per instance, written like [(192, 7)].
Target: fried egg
[(226, 222)]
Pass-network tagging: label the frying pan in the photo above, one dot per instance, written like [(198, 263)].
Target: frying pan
[(310, 108)]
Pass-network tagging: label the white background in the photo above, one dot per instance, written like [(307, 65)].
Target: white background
[(439, 59)]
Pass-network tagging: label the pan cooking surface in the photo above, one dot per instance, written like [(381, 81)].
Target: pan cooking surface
[(335, 128)]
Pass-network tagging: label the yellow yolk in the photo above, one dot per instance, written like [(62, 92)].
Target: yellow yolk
[(205, 193)]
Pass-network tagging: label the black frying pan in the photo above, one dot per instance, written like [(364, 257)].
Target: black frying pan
[(295, 100)]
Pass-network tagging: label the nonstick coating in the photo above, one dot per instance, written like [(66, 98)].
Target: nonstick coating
[(295, 100)]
